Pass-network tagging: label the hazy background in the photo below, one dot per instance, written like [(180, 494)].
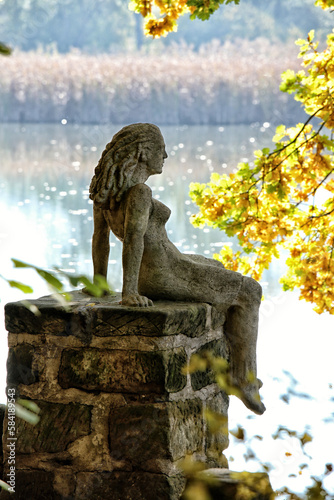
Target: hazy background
[(89, 62)]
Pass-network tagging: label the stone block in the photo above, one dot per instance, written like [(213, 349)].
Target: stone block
[(187, 427), (87, 316), (64, 483), (59, 425), (165, 318), (216, 436), (34, 485), (20, 366), (217, 348), (143, 434), (117, 411), (122, 371), (176, 380), (54, 319), (135, 485)]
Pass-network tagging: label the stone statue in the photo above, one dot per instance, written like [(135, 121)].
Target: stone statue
[(153, 268)]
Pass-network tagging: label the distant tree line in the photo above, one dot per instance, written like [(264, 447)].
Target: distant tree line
[(109, 26)]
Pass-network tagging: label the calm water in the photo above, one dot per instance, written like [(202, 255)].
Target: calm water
[(46, 171), (46, 220)]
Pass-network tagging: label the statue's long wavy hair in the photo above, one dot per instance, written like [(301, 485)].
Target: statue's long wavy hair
[(119, 160)]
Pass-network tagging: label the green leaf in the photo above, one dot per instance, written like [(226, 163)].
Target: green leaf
[(4, 485), (30, 405), (280, 192), (21, 286), (5, 50), (271, 188), (31, 307), (101, 282), (19, 263), (91, 287), (50, 279), (46, 275), (26, 415)]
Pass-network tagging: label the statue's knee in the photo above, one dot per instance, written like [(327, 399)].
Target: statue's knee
[(252, 288)]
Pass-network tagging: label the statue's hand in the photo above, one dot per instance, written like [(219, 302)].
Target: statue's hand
[(136, 300)]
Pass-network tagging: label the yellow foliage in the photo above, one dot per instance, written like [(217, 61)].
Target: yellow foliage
[(197, 490), (216, 422), (252, 485), (286, 200), (325, 4), (275, 204), (170, 11)]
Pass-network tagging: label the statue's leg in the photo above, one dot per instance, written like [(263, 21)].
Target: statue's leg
[(241, 329), (100, 243)]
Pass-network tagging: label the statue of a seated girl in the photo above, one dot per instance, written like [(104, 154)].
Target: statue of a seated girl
[(153, 268)]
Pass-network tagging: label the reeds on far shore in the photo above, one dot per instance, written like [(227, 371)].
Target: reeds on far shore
[(220, 84)]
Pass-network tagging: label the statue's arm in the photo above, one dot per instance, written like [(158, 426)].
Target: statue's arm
[(100, 243), (138, 206)]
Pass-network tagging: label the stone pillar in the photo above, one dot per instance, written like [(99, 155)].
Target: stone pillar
[(118, 413)]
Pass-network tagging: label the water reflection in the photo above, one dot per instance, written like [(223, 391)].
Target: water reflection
[(46, 171)]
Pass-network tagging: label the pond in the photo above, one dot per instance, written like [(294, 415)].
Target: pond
[(46, 171), (46, 220)]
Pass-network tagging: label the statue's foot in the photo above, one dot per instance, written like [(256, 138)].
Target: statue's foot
[(251, 398), (248, 393)]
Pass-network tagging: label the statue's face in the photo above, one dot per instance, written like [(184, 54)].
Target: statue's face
[(155, 156)]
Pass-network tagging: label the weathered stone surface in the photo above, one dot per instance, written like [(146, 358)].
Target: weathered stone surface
[(187, 427), (165, 318), (106, 317), (176, 379), (34, 485), (223, 484), (141, 434), (217, 348), (54, 319), (95, 349), (121, 371), (128, 486), (216, 440), (64, 483), (59, 425), (19, 365), (112, 371), (218, 316)]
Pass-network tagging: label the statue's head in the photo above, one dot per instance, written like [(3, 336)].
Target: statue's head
[(132, 145)]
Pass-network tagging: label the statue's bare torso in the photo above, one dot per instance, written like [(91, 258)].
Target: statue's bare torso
[(165, 272)]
